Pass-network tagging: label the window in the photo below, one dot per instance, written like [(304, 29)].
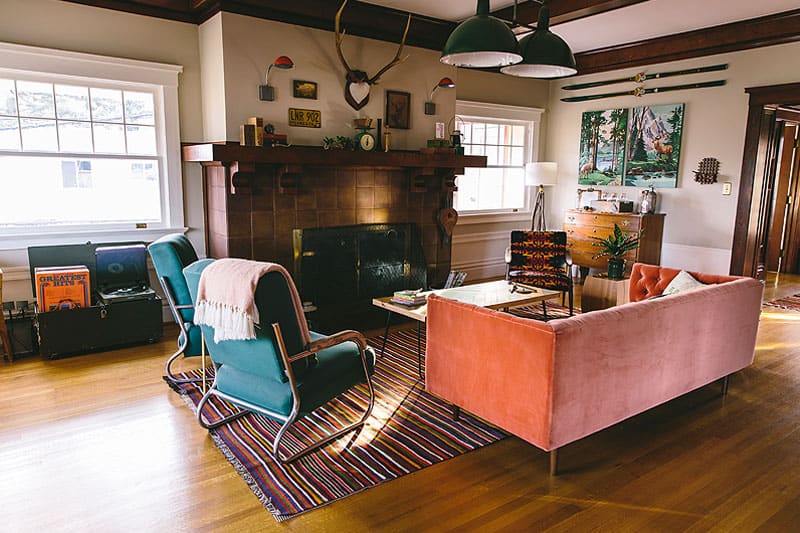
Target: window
[(87, 144), (505, 135)]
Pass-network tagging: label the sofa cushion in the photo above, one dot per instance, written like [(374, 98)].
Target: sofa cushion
[(681, 283), (650, 280)]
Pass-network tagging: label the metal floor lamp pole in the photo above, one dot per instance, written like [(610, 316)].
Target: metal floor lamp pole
[(538, 222)]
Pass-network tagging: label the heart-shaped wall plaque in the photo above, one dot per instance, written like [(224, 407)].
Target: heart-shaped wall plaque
[(357, 94)]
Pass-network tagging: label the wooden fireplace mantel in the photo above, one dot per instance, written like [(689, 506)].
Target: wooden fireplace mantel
[(290, 163)]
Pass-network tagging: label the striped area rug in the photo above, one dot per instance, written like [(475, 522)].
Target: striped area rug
[(408, 430), (791, 303)]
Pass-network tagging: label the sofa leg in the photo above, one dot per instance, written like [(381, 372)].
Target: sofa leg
[(725, 381), (554, 462), (456, 412)]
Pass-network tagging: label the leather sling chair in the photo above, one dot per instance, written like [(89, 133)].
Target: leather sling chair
[(540, 259), (170, 254), (275, 375)]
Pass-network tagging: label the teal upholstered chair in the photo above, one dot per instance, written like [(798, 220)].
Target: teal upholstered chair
[(275, 374), (170, 254)]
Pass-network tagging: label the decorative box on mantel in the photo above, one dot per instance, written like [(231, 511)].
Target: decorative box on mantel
[(255, 197)]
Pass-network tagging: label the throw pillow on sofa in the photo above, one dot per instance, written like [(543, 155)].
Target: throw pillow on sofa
[(681, 283)]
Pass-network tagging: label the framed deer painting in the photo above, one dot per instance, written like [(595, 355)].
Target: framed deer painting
[(654, 146)]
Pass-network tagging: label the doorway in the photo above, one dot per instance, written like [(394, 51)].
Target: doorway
[(782, 239), (767, 227)]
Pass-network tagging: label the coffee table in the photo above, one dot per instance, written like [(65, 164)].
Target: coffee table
[(491, 294)]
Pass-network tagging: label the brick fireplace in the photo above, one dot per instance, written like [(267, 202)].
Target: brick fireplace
[(256, 197)]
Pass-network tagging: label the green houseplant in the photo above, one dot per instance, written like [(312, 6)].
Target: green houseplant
[(615, 246)]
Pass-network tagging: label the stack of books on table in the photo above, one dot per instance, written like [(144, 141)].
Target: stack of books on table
[(415, 297)]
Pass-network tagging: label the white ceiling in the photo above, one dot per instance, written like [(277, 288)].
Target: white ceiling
[(629, 24)]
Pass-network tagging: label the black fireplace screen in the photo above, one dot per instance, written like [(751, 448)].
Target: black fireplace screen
[(348, 263)]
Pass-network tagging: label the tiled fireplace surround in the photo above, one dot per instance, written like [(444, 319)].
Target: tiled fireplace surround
[(257, 223)]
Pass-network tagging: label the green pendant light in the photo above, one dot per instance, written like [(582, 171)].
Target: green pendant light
[(544, 54), (481, 41)]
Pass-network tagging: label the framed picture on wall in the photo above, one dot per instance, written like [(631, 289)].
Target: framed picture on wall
[(654, 146), (602, 154), (304, 89), (398, 110)]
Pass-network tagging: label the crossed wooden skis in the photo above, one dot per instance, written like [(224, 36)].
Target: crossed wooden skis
[(642, 77)]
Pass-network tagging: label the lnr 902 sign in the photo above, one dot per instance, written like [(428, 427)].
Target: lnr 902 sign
[(305, 118)]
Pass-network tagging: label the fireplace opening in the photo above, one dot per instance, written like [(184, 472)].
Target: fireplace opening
[(341, 269)]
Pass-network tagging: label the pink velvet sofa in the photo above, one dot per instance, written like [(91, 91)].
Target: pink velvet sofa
[(556, 382)]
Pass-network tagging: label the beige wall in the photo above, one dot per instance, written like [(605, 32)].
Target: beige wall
[(698, 231), (699, 226), (212, 66), (251, 44), (78, 28)]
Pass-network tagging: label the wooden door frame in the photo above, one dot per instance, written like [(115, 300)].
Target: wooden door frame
[(762, 104)]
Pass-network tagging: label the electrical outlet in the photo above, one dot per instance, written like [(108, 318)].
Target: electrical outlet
[(21, 305), (8, 306), (726, 188)]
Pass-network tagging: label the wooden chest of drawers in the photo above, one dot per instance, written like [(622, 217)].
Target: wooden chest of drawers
[(581, 225)]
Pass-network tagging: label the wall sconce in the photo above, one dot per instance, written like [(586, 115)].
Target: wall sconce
[(538, 175), (265, 92), (444, 83)]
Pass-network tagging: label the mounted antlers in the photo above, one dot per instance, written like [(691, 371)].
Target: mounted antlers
[(357, 82)]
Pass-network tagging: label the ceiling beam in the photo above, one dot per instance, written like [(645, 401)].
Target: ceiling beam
[(562, 10), (763, 31), (358, 18), (368, 20), (165, 9)]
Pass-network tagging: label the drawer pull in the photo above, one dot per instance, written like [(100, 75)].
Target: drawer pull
[(626, 222)]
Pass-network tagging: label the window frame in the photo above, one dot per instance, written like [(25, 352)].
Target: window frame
[(485, 112), (65, 67)]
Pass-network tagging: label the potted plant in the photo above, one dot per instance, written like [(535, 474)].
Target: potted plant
[(615, 246)]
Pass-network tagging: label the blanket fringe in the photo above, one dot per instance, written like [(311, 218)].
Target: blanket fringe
[(229, 322)]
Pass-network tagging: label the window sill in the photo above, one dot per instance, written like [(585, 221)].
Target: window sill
[(23, 241), (493, 218)]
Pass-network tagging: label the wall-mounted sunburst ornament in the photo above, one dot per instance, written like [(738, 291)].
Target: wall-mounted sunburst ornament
[(707, 171)]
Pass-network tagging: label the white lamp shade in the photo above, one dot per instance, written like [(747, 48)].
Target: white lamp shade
[(541, 173)]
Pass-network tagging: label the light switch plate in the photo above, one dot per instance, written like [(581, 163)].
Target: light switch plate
[(726, 188)]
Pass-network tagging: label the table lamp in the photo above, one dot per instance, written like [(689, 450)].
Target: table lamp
[(539, 174)]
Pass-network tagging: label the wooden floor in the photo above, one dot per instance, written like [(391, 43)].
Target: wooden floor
[(99, 443)]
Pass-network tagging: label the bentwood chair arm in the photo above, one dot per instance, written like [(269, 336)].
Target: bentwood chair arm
[(314, 347), (332, 340)]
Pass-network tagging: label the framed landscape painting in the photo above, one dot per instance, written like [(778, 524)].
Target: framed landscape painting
[(602, 149), (654, 146)]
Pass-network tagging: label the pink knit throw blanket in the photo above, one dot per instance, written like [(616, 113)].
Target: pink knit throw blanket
[(226, 298)]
